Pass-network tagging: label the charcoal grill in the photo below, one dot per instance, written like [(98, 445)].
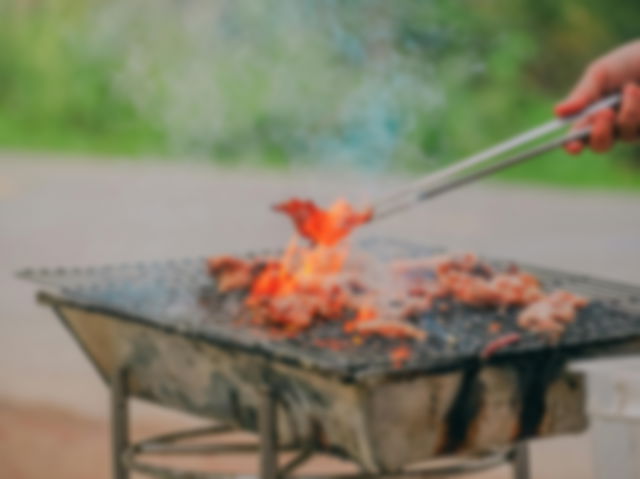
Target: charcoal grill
[(161, 332)]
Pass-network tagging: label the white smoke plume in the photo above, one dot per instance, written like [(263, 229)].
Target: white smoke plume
[(340, 82)]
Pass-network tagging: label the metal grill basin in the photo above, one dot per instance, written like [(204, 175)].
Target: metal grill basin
[(182, 347)]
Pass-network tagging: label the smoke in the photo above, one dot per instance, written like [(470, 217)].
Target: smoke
[(351, 83)]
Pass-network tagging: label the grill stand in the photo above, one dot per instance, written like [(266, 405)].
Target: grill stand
[(119, 423), (125, 455)]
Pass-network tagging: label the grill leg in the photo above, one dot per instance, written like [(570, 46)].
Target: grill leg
[(119, 423), (268, 437), (521, 461)]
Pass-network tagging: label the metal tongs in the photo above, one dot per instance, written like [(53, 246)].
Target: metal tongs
[(480, 165)]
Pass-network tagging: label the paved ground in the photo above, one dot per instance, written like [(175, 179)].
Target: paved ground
[(55, 212)]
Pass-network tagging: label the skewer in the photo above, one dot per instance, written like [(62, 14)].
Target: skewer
[(465, 171)]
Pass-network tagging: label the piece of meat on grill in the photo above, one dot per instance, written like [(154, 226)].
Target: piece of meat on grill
[(232, 273), (441, 263), (388, 328), (470, 281), (552, 313), (499, 343), (286, 298), (325, 227), (287, 313), (503, 289)]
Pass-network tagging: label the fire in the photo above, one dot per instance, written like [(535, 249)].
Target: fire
[(364, 314), (315, 281), (325, 227), (305, 284), (308, 281)]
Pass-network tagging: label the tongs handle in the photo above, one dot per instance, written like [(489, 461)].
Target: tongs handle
[(611, 101), (445, 179)]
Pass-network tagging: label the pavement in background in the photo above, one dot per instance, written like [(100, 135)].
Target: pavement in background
[(55, 212)]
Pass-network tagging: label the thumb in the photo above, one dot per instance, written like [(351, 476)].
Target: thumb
[(589, 88)]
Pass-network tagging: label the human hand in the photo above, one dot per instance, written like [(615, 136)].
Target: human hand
[(617, 70)]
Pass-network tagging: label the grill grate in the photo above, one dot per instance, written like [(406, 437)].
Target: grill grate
[(180, 296)]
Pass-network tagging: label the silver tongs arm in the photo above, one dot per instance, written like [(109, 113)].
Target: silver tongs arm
[(468, 170)]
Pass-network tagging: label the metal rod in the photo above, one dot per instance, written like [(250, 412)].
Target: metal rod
[(164, 439), (300, 458), (119, 423), (454, 183), (196, 449), (133, 461), (480, 157), (416, 191), (267, 423), (470, 467), (521, 469)]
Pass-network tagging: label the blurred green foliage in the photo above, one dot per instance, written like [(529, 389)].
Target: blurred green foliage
[(497, 66), (54, 93)]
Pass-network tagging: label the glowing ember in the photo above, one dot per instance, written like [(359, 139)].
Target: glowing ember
[(325, 227)]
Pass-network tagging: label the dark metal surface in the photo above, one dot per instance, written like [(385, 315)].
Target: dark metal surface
[(179, 296)]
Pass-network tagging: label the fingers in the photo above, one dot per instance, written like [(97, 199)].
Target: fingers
[(602, 131), (575, 147), (603, 124), (628, 120), (589, 88), (602, 134)]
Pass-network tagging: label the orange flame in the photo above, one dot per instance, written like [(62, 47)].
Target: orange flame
[(302, 285), (363, 314), (326, 227), (311, 282), (305, 282)]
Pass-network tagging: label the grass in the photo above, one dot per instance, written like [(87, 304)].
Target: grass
[(23, 135), (56, 94)]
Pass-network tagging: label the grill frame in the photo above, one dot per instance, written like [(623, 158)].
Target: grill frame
[(477, 412), (466, 406)]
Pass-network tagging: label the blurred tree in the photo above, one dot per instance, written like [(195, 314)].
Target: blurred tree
[(370, 83)]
